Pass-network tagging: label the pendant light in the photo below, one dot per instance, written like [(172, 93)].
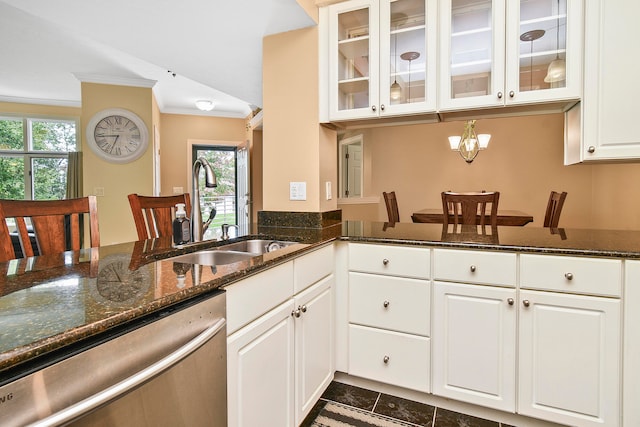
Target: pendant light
[(530, 36), (409, 56), (395, 91), (557, 71)]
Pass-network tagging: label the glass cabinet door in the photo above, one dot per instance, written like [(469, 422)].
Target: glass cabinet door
[(353, 63), (407, 46), (472, 53), (545, 39)]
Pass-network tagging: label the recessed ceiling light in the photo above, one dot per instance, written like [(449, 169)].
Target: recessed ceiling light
[(204, 105)]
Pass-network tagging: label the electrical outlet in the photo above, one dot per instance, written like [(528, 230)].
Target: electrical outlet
[(99, 191), (328, 188), (178, 190)]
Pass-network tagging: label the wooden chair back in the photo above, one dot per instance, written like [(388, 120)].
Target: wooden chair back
[(391, 202), (554, 209), (54, 225), (470, 208), (154, 215)]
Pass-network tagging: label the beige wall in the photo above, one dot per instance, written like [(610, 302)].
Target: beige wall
[(524, 162), (176, 130), (118, 180), (295, 147)]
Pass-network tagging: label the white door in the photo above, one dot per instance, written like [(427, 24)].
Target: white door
[(474, 344), (314, 345), (260, 380), (243, 188), (354, 170), (569, 358)]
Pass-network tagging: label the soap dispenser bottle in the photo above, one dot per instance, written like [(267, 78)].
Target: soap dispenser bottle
[(181, 226)]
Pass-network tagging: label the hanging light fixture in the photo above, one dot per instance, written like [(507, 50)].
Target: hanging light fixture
[(557, 71), (409, 56), (530, 36), (395, 92), (469, 144)]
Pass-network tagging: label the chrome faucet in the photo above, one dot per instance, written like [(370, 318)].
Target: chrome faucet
[(210, 182), (225, 230)]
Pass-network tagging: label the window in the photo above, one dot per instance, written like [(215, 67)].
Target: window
[(33, 157)]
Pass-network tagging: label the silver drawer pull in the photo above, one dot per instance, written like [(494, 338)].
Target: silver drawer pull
[(526, 303), (303, 308), (385, 261), (568, 276), (473, 268), (295, 313), (385, 304), (510, 301), (385, 359)]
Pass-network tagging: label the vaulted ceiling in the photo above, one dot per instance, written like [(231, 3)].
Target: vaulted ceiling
[(192, 49)]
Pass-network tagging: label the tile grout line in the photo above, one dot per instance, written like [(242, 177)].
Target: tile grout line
[(373, 410)]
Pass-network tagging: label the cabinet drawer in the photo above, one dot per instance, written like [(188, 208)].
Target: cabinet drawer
[(407, 357), (310, 268), (250, 298), (495, 268), (394, 303), (594, 276), (391, 260)]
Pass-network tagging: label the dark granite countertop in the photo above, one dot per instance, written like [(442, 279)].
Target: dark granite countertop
[(49, 303)]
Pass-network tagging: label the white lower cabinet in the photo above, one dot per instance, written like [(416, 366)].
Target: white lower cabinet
[(280, 362), (474, 344), (569, 358), (260, 378)]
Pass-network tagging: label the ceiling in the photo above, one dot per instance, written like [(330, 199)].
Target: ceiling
[(186, 50)]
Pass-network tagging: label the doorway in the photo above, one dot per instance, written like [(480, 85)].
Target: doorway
[(230, 198)]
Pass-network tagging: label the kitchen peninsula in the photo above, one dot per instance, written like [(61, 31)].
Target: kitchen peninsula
[(593, 298)]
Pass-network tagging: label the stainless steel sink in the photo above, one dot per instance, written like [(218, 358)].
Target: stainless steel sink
[(256, 246), (213, 257)]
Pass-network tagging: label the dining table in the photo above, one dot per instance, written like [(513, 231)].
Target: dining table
[(505, 217)]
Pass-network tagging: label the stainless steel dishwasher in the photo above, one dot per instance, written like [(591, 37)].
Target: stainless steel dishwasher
[(167, 369)]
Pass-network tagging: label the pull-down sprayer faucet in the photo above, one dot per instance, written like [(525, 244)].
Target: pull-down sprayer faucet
[(210, 182)]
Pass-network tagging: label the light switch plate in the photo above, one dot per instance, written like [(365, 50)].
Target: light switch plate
[(178, 190), (297, 191), (328, 188)]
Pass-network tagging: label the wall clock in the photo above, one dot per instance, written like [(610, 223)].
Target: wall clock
[(117, 135), (117, 284)]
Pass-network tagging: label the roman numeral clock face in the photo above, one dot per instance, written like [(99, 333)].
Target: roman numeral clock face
[(117, 135)]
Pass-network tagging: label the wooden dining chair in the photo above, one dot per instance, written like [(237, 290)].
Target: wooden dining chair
[(554, 209), (470, 208), (391, 202), (52, 226), (154, 215)]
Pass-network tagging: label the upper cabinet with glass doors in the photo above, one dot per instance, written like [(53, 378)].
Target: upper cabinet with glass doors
[(380, 58), (497, 52)]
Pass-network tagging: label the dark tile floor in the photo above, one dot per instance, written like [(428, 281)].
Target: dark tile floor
[(342, 403)]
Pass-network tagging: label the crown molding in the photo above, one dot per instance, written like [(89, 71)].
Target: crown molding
[(40, 101), (113, 80)]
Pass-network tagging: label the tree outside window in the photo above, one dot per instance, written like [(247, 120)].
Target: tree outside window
[(33, 157)]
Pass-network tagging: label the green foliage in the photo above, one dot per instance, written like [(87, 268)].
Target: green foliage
[(11, 136), (11, 178)]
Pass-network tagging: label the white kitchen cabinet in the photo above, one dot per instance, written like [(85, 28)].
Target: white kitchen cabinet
[(569, 358), (602, 126), (280, 361), (496, 53), (389, 306), (474, 327), (260, 378), (368, 48)]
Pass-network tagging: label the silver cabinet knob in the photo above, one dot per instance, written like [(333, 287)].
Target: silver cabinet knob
[(303, 308), (510, 301), (385, 359), (295, 313), (591, 149), (382, 107), (568, 276), (499, 95), (526, 303), (472, 268), (373, 108), (385, 261), (385, 304), (512, 94)]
